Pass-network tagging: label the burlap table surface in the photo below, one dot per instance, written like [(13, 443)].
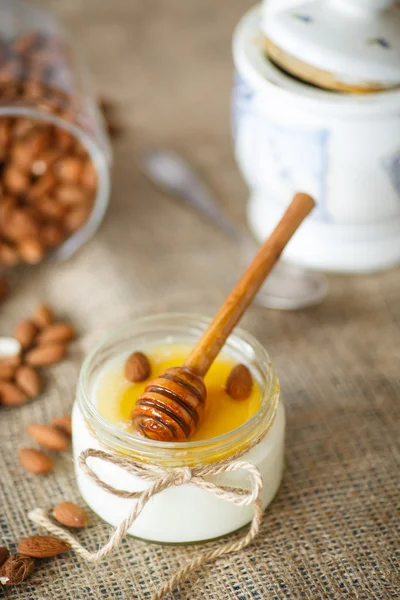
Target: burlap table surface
[(332, 531)]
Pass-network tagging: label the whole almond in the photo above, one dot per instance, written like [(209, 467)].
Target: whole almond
[(64, 424), (4, 289), (43, 315), (42, 546), (16, 569), (48, 436), (70, 195), (52, 235), (45, 355), (6, 371), (35, 461), (57, 332), (4, 554), (28, 380), (21, 224), (11, 361), (25, 333), (70, 515), (239, 383), (11, 395), (75, 218), (31, 250), (8, 255), (137, 367), (16, 181), (89, 176), (69, 169)]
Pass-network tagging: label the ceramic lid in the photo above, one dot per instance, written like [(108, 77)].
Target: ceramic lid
[(352, 43)]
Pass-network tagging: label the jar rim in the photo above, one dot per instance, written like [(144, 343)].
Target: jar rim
[(119, 439)]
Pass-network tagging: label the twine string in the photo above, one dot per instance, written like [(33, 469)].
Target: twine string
[(162, 479)]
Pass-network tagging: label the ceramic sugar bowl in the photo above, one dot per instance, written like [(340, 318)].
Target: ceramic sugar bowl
[(341, 147)]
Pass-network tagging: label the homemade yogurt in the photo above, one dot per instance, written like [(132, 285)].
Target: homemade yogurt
[(184, 513)]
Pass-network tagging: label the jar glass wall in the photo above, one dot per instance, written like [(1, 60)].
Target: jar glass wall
[(186, 513)]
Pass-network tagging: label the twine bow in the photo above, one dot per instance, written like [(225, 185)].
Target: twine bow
[(162, 479)]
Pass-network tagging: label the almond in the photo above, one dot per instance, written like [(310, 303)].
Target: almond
[(43, 316), (8, 255), (48, 436), (137, 367), (6, 371), (16, 181), (52, 236), (35, 461), (239, 383), (42, 546), (11, 395), (11, 361), (47, 354), (4, 554), (64, 424), (70, 515), (25, 333), (75, 218), (58, 332), (28, 380), (31, 250), (69, 168), (70, 195), (16, 569), (89, 176)]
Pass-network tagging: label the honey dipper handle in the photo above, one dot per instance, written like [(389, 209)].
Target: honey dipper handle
[(213, 339)]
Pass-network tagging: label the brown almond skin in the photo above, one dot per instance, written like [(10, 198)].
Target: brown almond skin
[(44, 355), (70, 195), (137, 367), (42, 546), (28, 380), (69, 169), (64, 424), (70, 515), (4, 554), (43, 316), (11, 361), (57, 332), (31, 250), (11, 395), (48, 436), (52, 236), (16, 569), (25, 332), (9, 256), (35, 461), (6, 371), (239, 383), (75, 218)]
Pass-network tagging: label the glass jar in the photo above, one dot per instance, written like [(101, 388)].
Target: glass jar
[(54, 151), (185, 513)]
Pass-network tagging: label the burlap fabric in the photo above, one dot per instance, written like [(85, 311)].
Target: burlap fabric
[(332, 531)]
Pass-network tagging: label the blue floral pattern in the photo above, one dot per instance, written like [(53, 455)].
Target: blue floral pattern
[(391, 164), (241, 101), (303, 17), (379, 41)]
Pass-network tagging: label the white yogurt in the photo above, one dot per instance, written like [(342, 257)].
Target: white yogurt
[(185, 513)]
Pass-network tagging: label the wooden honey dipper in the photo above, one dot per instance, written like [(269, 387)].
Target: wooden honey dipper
[(172, 405)]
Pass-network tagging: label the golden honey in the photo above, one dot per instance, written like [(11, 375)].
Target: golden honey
[(116, 396)]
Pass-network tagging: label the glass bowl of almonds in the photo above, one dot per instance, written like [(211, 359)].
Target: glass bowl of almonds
[(55, 155)]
